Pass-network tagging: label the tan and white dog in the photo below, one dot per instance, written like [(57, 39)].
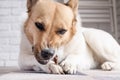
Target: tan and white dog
[(54, 41)]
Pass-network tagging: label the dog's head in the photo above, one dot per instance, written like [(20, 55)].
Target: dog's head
[(49, 26)]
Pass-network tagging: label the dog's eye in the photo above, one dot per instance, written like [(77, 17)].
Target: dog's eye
[(61, 31), (40, 26)]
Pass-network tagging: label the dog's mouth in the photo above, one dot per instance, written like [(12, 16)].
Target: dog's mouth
[(44, 62), (41, 60)]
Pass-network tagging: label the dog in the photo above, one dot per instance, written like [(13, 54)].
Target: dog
[(53, 40)]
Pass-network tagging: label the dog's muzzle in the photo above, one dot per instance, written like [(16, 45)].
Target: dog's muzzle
[(45, 55)]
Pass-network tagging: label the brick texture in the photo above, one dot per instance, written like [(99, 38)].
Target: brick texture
[(10, 12)]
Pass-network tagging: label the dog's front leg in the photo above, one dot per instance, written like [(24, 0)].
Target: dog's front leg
[(70, 64), (76, 52), (55, 68)]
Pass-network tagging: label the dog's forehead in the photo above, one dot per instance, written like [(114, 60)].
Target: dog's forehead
[(64, 13), (50, 10)]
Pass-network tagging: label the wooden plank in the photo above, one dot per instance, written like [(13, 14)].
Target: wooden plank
[(96, 11), (96, 15), (118, 3), (118, 11), (92, 20), (115, 19), (94, 3), (119, 20)]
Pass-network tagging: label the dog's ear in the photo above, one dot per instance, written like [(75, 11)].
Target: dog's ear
[(74, 5), (30, 4)]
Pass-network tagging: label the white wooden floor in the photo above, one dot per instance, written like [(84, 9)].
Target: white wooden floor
[(15, 74)]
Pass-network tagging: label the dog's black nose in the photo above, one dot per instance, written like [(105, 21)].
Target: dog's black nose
[(47, 53)]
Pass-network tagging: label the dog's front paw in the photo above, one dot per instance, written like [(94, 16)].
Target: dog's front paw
[(107, 66), (55, 69), (69, 67)]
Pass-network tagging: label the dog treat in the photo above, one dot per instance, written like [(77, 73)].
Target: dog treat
[(55, 59)]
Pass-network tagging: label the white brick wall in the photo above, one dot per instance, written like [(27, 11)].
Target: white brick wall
[(10, 11)]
